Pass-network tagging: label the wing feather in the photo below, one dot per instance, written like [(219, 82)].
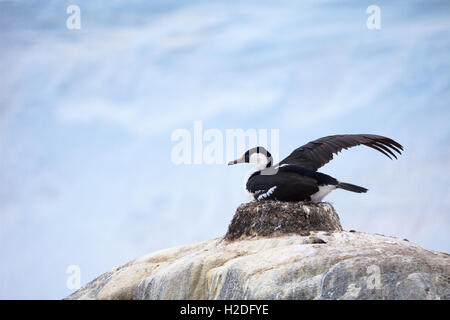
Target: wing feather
[(315, 154)]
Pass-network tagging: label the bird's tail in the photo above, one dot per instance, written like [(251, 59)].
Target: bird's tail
[(351, 187)]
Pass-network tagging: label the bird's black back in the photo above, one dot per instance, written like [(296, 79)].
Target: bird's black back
[(293, 183)]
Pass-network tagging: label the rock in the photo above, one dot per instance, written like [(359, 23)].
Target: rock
[(255, 261), (273, 218)]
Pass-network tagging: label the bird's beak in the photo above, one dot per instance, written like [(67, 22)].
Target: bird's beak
[(240, 160)]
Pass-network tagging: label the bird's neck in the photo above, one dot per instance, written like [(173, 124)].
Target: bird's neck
[(261, 162)]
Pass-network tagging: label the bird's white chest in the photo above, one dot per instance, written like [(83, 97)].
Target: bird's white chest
[(260, 165), (323, 191), (250, 195)]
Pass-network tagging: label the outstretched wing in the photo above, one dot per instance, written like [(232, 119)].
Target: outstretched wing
[(315, 154)]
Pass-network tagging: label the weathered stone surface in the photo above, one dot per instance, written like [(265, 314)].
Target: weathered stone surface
[(321, 265), (276, 250), (274, 218)]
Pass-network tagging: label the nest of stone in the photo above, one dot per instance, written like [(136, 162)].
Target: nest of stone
[(274, 218)]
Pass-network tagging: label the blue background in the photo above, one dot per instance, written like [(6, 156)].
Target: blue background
[(86, 118)]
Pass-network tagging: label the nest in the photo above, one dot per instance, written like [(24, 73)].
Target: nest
[(274, 218)]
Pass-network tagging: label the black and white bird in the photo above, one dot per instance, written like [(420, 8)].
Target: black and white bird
[(296, 178)]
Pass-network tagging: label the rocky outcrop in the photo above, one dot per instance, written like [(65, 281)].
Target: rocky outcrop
[(270, 260)]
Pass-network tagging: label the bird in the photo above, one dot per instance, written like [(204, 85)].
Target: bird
[(296, 178)]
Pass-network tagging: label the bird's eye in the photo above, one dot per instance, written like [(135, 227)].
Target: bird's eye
[(247, 157)]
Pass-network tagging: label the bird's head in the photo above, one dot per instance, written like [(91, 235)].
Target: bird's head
[(257, 155)]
